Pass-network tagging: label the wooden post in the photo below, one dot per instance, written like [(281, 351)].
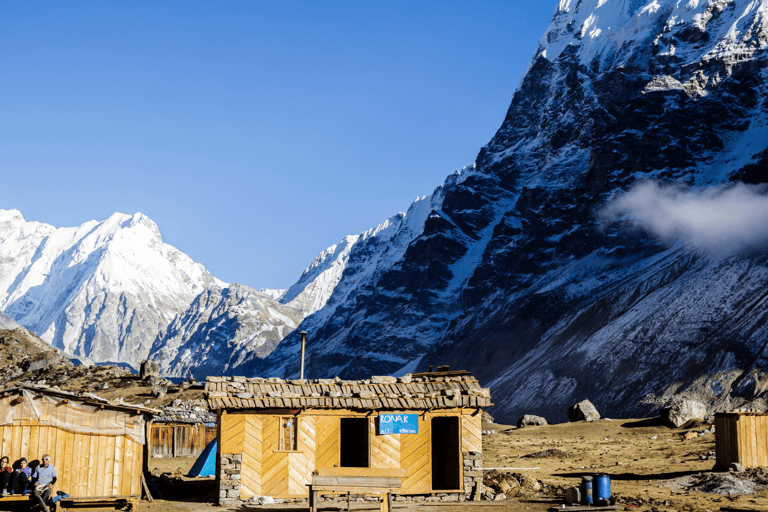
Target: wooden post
[(313, 495)]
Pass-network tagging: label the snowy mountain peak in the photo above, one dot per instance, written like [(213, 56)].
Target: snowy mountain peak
[(99, 290), (10, 216), (617, 31)]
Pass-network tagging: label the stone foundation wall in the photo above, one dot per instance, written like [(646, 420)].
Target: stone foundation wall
[(473, 474), (229, 466)]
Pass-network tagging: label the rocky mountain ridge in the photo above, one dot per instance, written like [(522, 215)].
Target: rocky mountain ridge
[(514, 276)]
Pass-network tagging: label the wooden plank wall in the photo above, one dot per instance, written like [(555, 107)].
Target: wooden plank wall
[(301, 464), (742, 438), (327, 432), (87, 464), (416, 458), (471, 433), (275, 462), (251, 475), (267, 470), (161, 440)]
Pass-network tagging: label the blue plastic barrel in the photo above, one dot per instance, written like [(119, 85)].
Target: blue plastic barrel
[(602, 488), (586, 490)]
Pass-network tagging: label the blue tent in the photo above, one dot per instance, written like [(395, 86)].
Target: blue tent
[(205, 465)]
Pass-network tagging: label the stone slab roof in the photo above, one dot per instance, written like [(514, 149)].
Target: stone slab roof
[(421, 391)]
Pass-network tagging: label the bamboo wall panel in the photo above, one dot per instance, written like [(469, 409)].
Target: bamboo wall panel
[(275, 462), (416, 459), (232, 430), (327, 430), (471, 433), (251, 470)]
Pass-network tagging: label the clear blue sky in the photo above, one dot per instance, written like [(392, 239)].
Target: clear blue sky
[(254, 133)]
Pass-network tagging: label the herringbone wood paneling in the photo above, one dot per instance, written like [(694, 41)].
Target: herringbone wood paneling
[(471, 433), (251, 472), (327, 439), (275, 465), (232, 428), (299, 474), (416, 459), (385, 451)]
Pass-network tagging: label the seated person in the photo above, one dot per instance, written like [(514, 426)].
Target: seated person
[(43, 479), (20, 479), (6, 471)]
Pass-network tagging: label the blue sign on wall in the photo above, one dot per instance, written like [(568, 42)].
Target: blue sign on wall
[(398, 424)]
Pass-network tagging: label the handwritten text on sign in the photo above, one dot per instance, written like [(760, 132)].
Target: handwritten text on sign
[(398, 424)]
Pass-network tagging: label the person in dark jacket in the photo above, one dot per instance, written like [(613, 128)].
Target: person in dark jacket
[(20, 479), (6, 472)]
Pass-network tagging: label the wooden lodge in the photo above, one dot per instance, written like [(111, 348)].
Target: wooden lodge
[(274, 435), (97, 447)]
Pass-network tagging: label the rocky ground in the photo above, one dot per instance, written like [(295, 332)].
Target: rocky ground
[(652, 468), (26, 358)]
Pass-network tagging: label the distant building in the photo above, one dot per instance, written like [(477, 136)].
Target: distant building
[(183, 430)]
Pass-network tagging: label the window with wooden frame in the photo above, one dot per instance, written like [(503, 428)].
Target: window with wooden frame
[(288, 434)]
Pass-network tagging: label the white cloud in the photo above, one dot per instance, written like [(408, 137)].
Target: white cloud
[(718, 218)]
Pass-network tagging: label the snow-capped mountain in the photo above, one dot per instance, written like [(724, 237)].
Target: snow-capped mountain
[(510, 271), (545, 269), (101, 290), (222, 330)]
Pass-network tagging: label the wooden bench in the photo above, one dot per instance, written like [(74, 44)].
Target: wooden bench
[(14, 497), (99, 502), (358, 481)]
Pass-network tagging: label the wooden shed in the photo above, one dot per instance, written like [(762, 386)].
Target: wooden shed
[(182, 431), (97, 447), (741, 437), (274, 434)]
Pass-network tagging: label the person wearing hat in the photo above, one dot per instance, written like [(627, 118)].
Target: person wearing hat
[(20, 478), (43, 479)]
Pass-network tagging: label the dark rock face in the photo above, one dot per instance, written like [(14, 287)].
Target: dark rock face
[(509, 274)]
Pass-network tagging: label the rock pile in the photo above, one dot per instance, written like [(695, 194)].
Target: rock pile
[(191, 411)]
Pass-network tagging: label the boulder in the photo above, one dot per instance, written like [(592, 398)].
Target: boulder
[(682, 412), (148, 369), (582, 411), (529, 420)]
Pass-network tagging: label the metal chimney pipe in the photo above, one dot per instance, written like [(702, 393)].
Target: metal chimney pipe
[(303, 343)]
